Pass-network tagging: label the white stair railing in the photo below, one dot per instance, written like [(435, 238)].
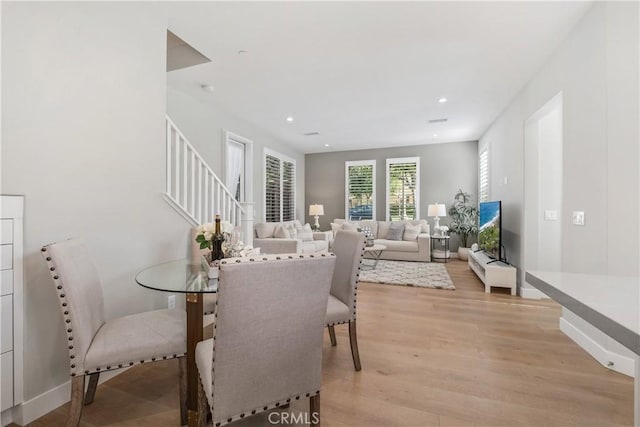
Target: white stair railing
[(192, 187)]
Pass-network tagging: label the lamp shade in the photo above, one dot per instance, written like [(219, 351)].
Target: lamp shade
[(437, 210), (316, 210)]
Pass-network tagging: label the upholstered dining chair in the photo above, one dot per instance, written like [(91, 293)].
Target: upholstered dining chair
[(267, 345), (96, 345), (348, 247)]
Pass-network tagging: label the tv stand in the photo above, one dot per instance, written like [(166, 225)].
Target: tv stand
[(492, 272)]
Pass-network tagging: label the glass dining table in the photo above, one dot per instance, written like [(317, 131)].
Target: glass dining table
[(183, 276)]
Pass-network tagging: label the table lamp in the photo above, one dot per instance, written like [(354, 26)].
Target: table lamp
[(436, 211), (315, 211)]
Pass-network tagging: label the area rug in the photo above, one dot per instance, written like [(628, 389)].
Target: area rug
[(406, 273)]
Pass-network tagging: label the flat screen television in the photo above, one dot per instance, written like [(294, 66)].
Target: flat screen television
[(490, 228)]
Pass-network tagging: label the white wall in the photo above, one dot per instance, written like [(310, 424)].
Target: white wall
[(83, 139), (596, 68), (202, 124)]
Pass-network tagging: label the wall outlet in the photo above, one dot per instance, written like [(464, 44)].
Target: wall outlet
[(578, 217), (171, 301), (550, 215)]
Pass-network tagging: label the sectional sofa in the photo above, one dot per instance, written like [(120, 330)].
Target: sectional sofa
[(405, 249)]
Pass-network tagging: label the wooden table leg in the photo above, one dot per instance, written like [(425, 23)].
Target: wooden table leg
[(194, 336)]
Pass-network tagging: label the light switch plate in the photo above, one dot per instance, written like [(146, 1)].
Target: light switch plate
[(551, 215), (578, 217)]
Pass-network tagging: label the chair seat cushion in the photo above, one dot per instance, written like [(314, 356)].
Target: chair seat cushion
[(136, 338), (337, 311), (399, 245), (204, 361)]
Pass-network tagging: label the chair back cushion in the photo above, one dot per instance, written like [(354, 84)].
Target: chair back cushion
[(348, 246), (268, 331), (79, 295)]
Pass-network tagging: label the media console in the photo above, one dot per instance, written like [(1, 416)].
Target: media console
[(491, 272)]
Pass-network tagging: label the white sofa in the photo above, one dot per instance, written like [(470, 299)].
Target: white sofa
[(400, 250), (265, 240)]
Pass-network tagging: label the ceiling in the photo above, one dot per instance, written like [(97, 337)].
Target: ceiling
[(367, 74)]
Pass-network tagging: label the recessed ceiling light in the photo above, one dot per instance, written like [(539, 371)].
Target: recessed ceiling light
[(326, 145), (438, 120), (242, 52), (442, 100), (435, 135), (207, 88), (289, 119)]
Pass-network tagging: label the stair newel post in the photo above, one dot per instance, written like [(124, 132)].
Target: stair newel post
[(247, 223)]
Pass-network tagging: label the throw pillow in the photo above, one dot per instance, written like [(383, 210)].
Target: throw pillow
[(293, 232), (411, 232), (335, 228), (281, 233), (305, 233), (383, 229), (395, 231), (373, 225)]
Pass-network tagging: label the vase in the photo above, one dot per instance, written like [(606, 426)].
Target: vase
[(463, 253)]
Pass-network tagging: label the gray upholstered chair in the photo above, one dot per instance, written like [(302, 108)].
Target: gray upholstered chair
[(96, 345), (267, 344), (348, 246)]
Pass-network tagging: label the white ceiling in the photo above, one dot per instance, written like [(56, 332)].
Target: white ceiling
[(367, 74)]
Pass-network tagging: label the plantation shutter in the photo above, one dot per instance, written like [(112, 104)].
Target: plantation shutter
[(402, 189), (360, 179), (288, 191), (280, 192), (483, 179)]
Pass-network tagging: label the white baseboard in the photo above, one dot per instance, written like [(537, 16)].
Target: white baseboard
[(608, 359), (531, 293), (46, 402)]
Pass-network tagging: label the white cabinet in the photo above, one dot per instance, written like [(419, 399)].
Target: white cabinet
[(492, 273), (11, 297)]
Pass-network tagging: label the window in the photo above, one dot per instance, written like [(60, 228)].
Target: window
[(483, 178), (279, 188), (360, 191), (403, 188)]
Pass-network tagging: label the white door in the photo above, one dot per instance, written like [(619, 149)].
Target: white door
[(238, 164)]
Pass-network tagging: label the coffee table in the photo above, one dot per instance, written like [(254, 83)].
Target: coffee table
[(374, 253)]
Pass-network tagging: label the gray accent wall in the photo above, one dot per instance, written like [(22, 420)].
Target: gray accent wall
[(444, 168)]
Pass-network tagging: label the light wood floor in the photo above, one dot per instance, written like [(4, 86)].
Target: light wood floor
[(430, 358)]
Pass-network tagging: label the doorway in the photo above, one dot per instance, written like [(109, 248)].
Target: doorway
[(543, 187), (238, 166)]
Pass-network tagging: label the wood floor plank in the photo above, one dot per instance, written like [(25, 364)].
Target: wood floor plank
[(429, 358)]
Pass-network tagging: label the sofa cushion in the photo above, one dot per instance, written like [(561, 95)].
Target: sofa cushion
[(350, 226), (396, 230), (335, 227), (314, 246), (398, 245), (424, 225), (265, 230), (411, 232), (293, 231)]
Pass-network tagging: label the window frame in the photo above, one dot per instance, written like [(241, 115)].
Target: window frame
[(282, 159), (348, 164), (400, 160)]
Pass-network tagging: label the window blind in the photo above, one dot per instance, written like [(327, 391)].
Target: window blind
[(360, 189), (483, 179), (403, 189), (280, 192)]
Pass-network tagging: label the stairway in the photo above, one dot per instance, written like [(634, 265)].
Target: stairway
[(196, 192)]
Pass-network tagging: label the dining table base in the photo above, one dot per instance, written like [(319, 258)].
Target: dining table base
[(194, 336)]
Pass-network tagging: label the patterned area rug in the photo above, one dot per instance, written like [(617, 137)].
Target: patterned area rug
[(406, 273)]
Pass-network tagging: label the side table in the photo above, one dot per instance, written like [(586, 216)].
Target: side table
[(440, 248)]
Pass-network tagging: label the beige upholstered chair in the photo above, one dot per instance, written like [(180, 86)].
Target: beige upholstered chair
[(96, 345), (348, 246), (267, 344)]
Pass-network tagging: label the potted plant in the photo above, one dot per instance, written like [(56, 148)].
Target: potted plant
[(464, 221)]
